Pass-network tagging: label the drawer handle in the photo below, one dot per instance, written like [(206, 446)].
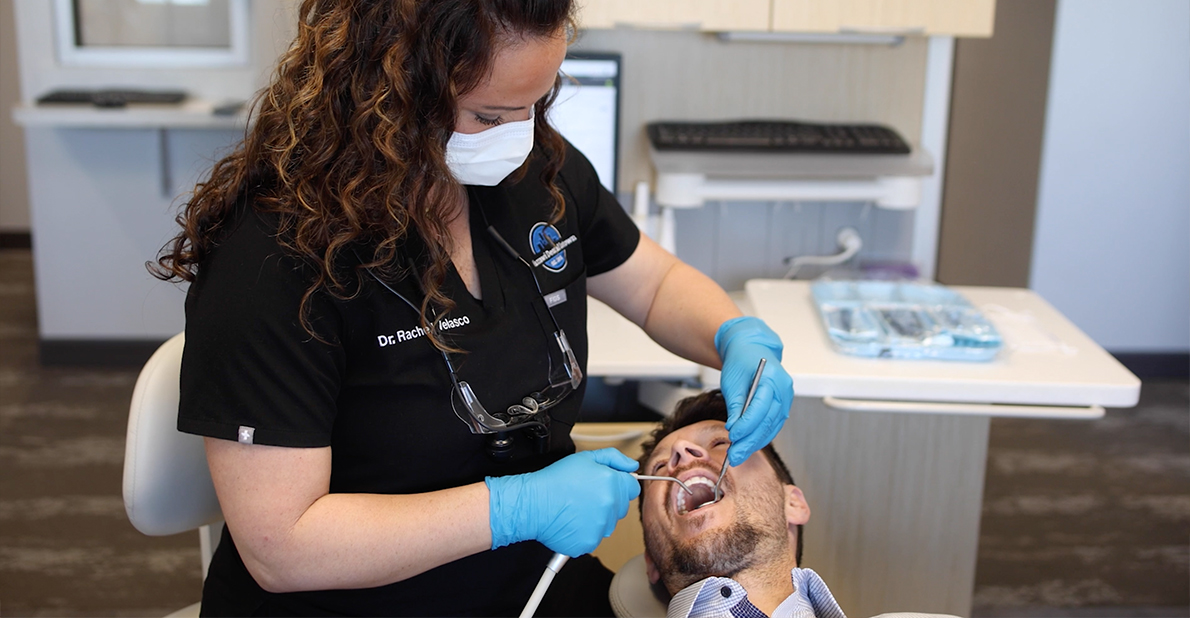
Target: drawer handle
[(970, 409), (659, 25), (891, 30), (614, 437)]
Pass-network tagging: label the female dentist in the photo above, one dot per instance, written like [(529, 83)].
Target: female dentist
[(386, 322)]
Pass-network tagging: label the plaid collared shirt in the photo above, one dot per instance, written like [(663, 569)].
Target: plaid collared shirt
[(721, 597)]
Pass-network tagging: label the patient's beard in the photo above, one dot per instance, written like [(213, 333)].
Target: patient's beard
[(756, 538), (721, 553)]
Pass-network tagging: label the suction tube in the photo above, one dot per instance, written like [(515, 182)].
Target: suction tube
[(543, 584)]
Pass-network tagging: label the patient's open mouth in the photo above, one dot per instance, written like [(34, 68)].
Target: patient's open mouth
[(703, 493)]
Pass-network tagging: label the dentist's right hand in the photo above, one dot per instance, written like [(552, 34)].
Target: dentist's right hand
[(569, 506)]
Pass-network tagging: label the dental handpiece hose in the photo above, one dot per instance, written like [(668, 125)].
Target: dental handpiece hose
[(543, 584)]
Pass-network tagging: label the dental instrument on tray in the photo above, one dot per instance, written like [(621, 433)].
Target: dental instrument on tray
[(646, 477), (718, 493)]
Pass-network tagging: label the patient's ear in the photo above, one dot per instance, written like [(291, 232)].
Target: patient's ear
[(651, 569), (797, 512)]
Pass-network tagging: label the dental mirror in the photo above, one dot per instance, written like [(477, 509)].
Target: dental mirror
[(645, 477)]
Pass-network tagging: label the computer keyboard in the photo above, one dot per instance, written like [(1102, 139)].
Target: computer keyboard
[(776, 136), (113, 98)]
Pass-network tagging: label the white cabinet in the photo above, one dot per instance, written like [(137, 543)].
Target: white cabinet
[(971, 18), (708, 15), (104, 186)]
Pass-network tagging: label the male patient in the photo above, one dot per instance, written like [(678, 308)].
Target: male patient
[(738, 557)]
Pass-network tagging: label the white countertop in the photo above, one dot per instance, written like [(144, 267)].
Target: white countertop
[(1045, 361), (617, 348), (190, 114)]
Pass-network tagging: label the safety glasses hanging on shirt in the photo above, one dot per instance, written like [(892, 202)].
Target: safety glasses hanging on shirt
[(531, 413), (564, 379)]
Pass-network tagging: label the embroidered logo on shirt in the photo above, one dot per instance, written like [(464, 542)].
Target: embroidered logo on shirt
[(545, 240), (416, 332)]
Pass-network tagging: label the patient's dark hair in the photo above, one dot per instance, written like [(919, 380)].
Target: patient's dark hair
[(710, 406)]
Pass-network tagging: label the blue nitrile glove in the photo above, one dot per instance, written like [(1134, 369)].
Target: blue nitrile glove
[(569, 506), (741, 343)]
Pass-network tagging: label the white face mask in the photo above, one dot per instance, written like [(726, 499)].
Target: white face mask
[(487, 157)]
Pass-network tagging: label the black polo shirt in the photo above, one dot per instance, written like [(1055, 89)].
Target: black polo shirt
[(374, 388)]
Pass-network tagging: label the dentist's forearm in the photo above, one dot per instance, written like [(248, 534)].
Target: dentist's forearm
[(678, 306)]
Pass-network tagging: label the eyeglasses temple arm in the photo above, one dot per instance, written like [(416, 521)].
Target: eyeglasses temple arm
[(513, 252), (507, 247)]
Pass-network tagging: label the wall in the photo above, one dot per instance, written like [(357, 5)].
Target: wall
[(666, 75), (1112, 249), (26, 75), (997, 118), (97, 195), (695, 76), (14, 195)]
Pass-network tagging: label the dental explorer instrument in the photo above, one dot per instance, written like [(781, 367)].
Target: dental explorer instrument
[(718, 493), (646, 477)]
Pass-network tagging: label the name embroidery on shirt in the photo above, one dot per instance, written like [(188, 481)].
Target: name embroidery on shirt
[(418, 332)]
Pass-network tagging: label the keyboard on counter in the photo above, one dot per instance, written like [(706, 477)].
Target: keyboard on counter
[(113, 98), (776, 136)]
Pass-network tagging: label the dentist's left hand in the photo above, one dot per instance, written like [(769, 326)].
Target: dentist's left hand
[(569, 506), (741, 343)]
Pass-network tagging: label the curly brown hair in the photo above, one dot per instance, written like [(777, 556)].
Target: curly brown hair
[(348, 142)]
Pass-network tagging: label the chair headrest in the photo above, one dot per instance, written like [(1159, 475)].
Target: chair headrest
[(167, 485), (631, 595)]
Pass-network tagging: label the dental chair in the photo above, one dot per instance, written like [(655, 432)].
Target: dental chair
[(632, 596), (167, 486)]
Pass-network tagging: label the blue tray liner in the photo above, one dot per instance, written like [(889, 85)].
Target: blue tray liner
[(906, 320)]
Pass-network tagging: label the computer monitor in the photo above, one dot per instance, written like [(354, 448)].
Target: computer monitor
[(587, 110)]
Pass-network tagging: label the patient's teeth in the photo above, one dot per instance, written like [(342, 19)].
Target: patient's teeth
[(681, 506)]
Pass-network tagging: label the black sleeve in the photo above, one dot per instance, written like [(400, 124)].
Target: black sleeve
[(608, 234), (248, 361)]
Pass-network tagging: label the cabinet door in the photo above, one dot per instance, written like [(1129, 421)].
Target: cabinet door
[(712, 15), (973, 18)]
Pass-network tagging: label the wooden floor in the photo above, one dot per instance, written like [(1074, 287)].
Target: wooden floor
[(1086, 519)]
